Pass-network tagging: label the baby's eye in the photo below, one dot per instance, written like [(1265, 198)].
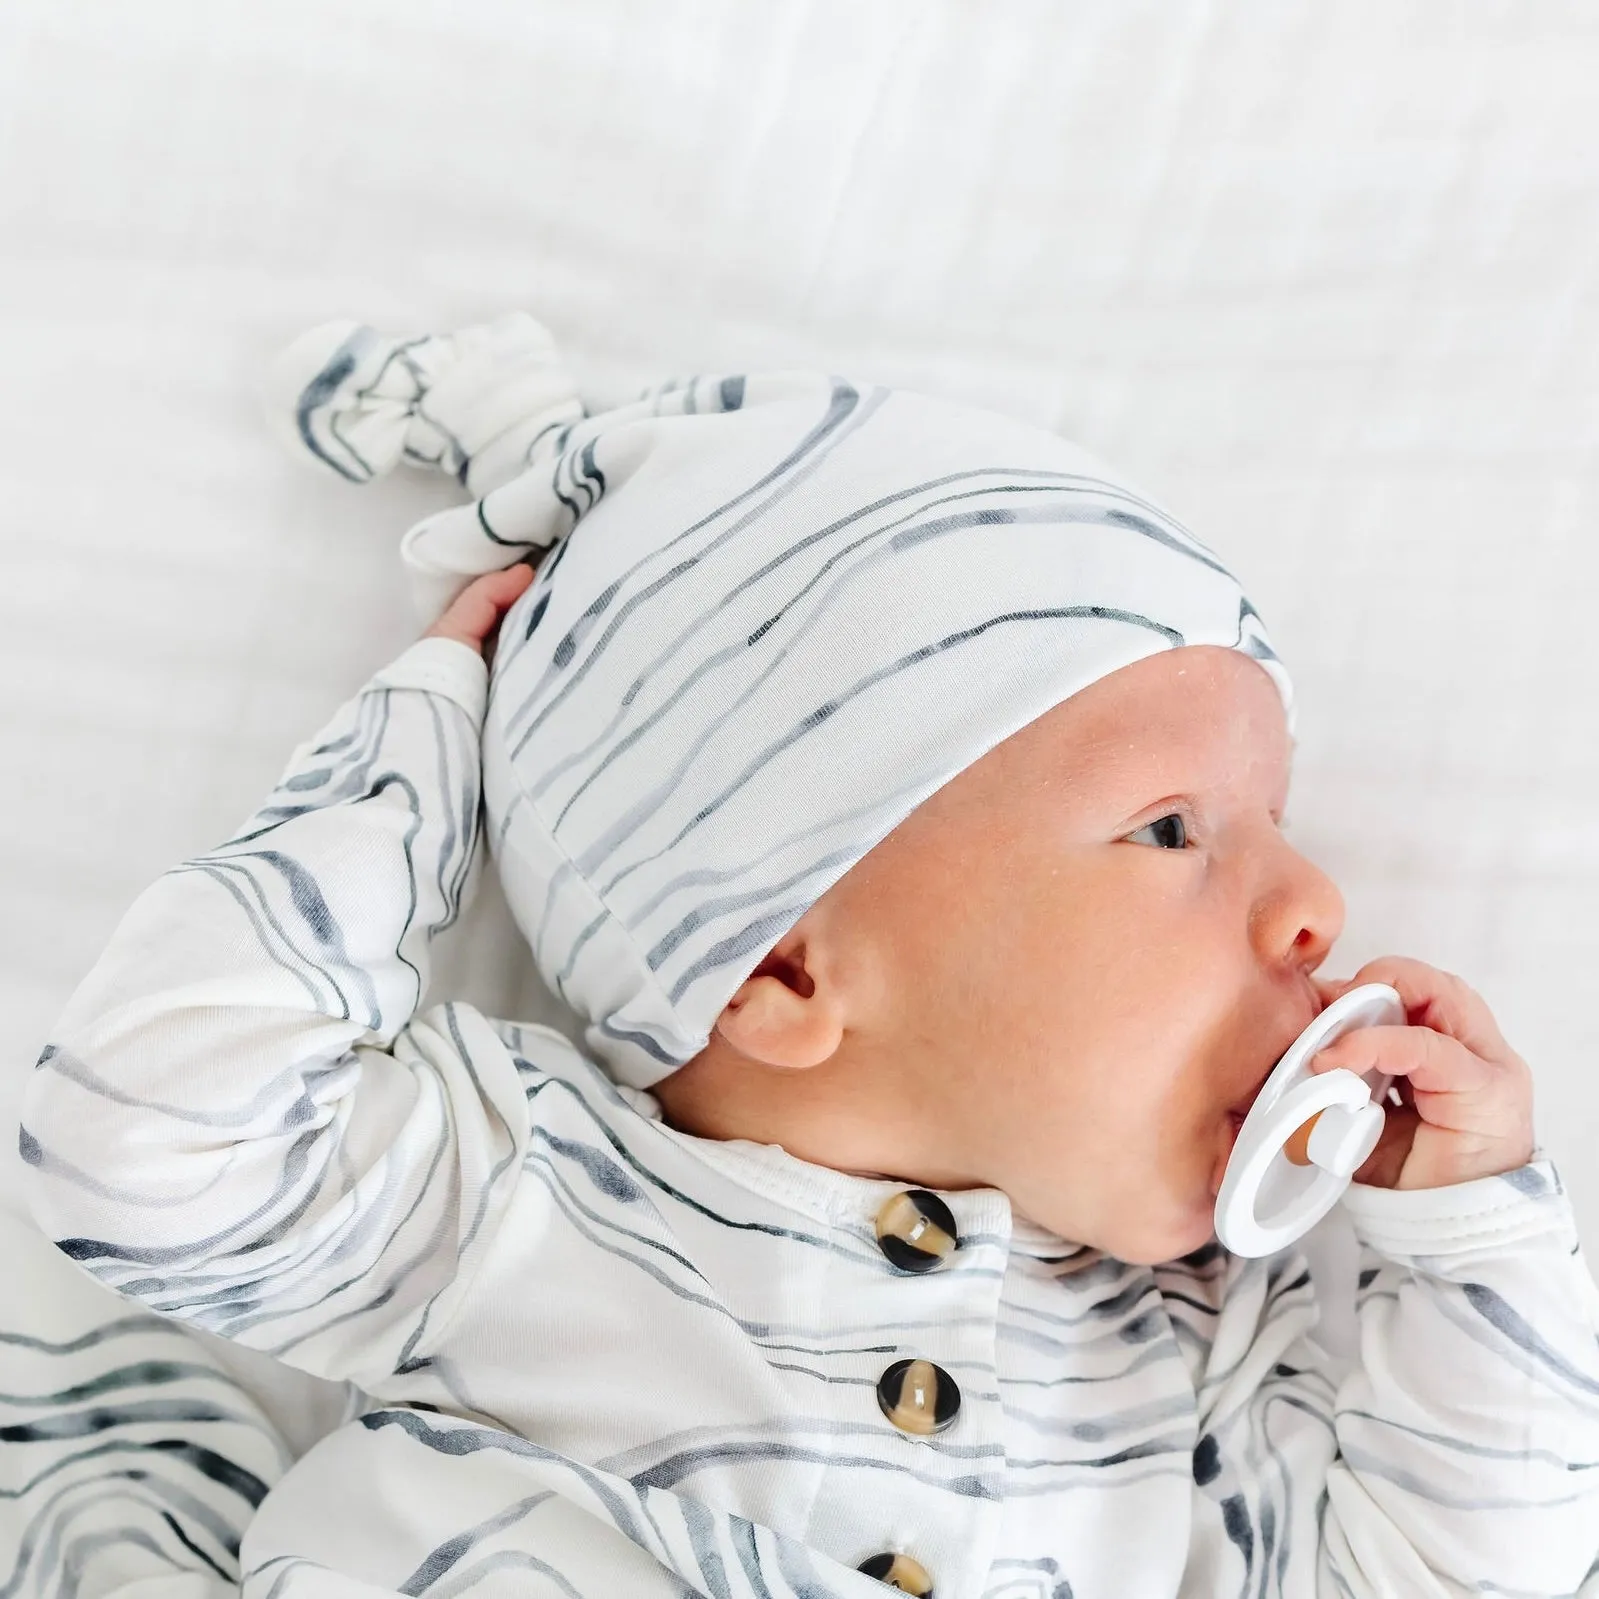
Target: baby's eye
[(1177, 841)]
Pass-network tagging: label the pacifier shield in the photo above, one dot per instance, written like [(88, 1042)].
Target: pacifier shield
[(1269, 1196)]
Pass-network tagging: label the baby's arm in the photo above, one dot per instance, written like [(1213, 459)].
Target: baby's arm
[(237, 1121), (1468, 1430), (1461, 1451)]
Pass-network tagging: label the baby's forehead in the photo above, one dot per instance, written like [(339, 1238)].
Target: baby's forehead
[(1188, 718), (1198, 699)]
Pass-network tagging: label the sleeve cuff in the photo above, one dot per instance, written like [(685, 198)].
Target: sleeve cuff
[(440, 666), (1486, 1213)]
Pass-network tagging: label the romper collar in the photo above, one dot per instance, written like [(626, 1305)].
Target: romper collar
[(835, 1197)]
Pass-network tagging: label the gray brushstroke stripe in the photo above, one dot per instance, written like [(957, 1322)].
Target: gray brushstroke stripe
[(861, 686), (443, 1557), (309, 1075), (1368, 1464), (839, 422), (669, 1473), (599, 850), (463, 1440), (791, 552)]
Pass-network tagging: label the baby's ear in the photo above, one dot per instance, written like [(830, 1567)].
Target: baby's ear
[(780, 1016)]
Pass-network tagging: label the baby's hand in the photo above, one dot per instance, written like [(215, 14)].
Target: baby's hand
[(1467, 1094), (475, 612)]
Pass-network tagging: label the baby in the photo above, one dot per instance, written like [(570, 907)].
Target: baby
[(897, 799)]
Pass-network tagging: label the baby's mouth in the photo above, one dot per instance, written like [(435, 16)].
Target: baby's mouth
[(1239, 1111), (1237, 1114)]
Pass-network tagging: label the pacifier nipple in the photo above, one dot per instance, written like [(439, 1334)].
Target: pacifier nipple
[(1337, 1139), (1297, 1149)]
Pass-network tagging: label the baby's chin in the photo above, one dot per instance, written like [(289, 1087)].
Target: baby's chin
[(1146, 1251), (1149, 1235)]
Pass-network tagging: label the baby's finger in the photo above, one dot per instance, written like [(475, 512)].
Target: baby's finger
[(501, 589), (473, 613), (1433, 1062), (1442, 1002)]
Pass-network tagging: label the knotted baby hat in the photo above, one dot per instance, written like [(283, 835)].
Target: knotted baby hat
[(772, 613)]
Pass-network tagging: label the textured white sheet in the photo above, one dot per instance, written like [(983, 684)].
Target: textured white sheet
[(1323, 277)]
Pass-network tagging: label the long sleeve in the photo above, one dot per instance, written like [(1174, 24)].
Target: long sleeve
[(1468, 1430), (238, 1120), (1458, 1453)]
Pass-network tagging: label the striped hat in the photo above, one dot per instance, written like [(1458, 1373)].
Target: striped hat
[(776, 613)]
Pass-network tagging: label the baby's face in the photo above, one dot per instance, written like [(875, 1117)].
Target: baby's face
[(1058, 975)]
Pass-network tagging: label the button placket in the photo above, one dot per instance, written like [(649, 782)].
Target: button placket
[(917, 1232)]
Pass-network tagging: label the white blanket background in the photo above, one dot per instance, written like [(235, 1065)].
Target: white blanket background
[(1324, 278)]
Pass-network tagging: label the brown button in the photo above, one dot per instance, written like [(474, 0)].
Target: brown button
[(899, 1571), (918, 1396), (916, 1230)]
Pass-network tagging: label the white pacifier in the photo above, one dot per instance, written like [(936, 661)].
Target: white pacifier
[(1269, 1195)]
